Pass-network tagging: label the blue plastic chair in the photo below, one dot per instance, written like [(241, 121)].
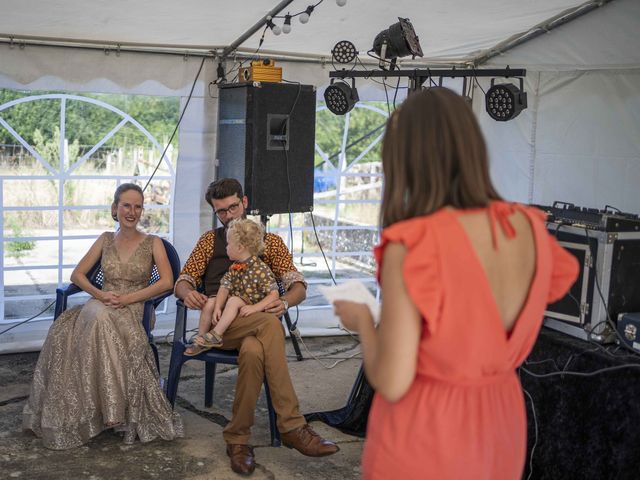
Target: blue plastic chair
[(96, 277), (211, 358)]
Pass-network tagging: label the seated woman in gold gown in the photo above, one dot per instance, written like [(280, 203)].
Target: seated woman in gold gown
[(96, 369)]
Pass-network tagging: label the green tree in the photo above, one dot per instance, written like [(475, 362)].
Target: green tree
[(88, 123), (364, 127), (49, 148)]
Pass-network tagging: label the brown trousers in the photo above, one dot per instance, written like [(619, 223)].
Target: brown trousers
[(260, 340)]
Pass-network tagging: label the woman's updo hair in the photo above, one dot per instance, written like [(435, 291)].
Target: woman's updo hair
[(125, 187)]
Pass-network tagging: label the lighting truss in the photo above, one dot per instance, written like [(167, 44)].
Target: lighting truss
[(418, 77)]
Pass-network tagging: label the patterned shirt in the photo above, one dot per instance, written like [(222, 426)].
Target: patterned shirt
[(276, 255), (251, 280)]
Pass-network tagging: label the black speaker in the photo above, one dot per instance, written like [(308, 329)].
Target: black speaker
[(266, 136)]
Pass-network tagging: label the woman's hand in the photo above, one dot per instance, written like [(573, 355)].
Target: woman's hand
[(215, 318), (352, 314), (115, 300), (110, 299), (122, 301)]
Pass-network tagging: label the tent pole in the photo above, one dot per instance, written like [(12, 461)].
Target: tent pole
[(237, 42), (537, 30)]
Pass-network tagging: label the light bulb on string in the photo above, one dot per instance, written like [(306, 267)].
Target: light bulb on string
[(304, 16), (286, 28), (274, 28)]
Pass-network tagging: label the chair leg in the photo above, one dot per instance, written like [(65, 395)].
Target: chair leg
[(273, 424), (61, 303), (294, 340), (154, 348), (175, 367), (357, 386), (209, 379)]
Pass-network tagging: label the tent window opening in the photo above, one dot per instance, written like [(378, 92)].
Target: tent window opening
[(61, 158)]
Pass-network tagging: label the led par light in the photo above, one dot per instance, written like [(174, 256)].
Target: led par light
[(340, 97), (505, 101), (344, 52)]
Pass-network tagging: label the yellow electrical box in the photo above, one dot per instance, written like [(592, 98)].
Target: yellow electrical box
[(261, 71)]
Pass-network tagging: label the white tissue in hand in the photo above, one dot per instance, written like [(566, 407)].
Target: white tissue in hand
[(353, 291)]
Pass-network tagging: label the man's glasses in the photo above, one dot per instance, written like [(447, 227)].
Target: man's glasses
[(233, 208)]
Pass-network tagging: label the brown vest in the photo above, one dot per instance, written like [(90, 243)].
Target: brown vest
[(218, 264)]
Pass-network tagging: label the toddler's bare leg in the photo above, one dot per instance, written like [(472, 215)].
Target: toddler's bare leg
[(204, 324), (206, 316), (229, 314)]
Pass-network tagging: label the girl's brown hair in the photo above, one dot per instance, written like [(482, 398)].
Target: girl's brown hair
[(433, 155)]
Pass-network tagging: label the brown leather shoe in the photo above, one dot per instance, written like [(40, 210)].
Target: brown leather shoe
[(308, 442), (242, 460)]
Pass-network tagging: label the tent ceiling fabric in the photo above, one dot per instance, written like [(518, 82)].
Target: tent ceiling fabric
[(448, 29)]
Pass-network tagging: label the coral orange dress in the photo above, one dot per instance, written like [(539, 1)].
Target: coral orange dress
[(464, 415)]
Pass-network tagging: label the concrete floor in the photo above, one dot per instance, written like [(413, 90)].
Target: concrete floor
[(201, 454)]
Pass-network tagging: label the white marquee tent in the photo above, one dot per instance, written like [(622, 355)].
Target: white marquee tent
[(578, 140)]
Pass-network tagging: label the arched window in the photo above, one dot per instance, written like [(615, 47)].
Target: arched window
[(61, 158)]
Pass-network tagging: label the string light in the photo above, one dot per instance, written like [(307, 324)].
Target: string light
[(274, 28), (304, 15), (286, 27)]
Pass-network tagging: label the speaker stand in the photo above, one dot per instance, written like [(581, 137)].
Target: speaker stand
[(264, 219)]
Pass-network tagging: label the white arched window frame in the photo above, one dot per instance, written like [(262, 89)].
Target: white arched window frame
[(63, 174)]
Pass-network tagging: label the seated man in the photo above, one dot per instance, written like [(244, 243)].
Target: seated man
[(259, 337)]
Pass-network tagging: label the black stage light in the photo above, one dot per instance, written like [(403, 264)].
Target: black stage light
[(399, 40), (344, 52), (505, 101), (340, 97)]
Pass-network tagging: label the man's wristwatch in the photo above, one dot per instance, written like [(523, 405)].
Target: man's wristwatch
[(285, 303)]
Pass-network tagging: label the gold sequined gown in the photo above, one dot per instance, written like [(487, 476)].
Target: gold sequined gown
[(96, 367)]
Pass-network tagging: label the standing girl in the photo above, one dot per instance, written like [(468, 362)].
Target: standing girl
[(465, 279)]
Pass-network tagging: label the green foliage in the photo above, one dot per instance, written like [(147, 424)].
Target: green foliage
[(364, 127), (49, 148), (87, 123), (18, 248), (28, 117), (329, 132), (128, 152)]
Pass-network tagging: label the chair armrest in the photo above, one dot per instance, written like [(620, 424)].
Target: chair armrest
[(180, 327), (157, 300), (71, 289), (61, 298)]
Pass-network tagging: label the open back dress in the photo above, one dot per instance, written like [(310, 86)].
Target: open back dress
[(464, 415)]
